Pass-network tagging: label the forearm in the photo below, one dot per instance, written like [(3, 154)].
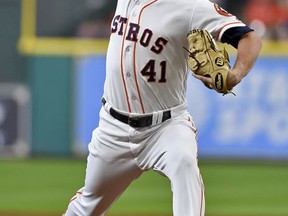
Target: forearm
[(248, 50)]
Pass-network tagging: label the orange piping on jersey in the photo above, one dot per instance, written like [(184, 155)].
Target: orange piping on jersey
[(202, 197), (122, 70), (75, 197), (225, 26), (71, 200), (134, 56), (200, 176)]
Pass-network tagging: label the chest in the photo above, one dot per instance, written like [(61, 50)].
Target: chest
[(152, 24)]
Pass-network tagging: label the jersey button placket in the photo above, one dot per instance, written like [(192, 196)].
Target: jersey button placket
[(129, 62), (128, 68), (134, 14), (128, 49), (128, 56)]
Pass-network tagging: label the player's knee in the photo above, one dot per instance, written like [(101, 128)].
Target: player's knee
[(185, 163)]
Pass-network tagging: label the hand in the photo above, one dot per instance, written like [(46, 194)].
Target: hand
[(232, 80), (207, 81)]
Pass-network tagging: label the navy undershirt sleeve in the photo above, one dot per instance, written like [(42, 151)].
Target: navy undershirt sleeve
[(233, 35)]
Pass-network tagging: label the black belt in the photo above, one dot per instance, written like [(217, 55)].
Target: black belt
[(142, 121)]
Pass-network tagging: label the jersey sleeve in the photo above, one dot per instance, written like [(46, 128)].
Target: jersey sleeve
[(213, 18), (233, 35)]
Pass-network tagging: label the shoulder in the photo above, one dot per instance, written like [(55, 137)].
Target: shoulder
[(180, 4)]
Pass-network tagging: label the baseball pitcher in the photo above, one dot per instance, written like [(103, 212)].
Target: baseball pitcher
[(144, 124)]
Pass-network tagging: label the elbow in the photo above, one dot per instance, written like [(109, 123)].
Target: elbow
[(254, 40), (257, 41)]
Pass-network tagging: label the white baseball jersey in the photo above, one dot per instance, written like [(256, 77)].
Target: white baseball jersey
[(146, 73), (146, 63)]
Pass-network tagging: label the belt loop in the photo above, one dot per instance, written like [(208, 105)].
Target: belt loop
[(154, 118), (103, 101), (157, 118), (106, 105)]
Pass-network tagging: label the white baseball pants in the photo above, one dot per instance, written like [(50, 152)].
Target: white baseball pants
[(119, 154)]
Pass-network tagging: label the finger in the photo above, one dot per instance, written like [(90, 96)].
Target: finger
[(204, 79), (208, 85)]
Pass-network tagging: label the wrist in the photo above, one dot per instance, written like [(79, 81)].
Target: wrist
[(233, 79)]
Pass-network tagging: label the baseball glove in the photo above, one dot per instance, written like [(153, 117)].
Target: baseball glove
[(207, 60)]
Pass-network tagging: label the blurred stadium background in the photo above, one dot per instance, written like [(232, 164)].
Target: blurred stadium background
[(52, 57)]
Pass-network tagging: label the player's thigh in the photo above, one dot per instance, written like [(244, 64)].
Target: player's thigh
[(179, 137), (105, 176), (177, 145)]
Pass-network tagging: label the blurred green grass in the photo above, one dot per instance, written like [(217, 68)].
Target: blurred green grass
[(45, 185)]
